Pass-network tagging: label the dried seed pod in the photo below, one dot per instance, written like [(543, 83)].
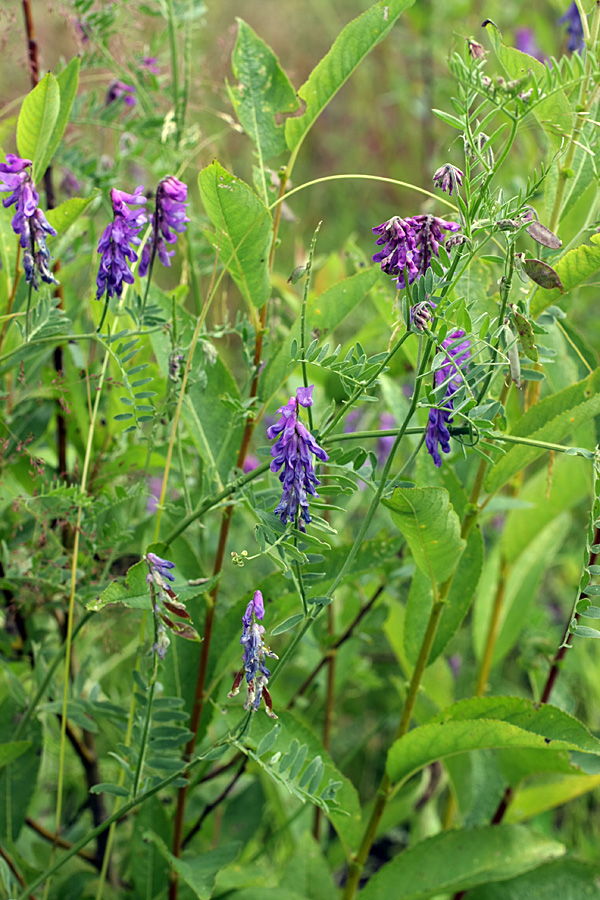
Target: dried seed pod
[(543, 235), (541, 273)]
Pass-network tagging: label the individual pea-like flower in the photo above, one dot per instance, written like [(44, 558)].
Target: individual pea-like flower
[(572, 20), (115, 245), (169, 213), (255, 651), (476, 50), (451, 372), (149, 63), (410, 244), (448, 178), (292, 455), (28, 222), (118, 89)]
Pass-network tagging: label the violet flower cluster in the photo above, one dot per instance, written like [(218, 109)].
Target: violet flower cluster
[(410, 244), (116, 243), (255, 651), (117, 90), (165, 601), (572, 20), (28, 222), (292, 454), (437, 429), (448, 178), (171, 197)]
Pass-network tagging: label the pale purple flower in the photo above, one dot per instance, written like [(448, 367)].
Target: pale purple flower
[(115, 243), (452, 371), (159, 570), (150, 64), (250, 463), (448, 178), (292, 455), (525, 42), (386, 442), (29, 222), (155, 487), (572, 20), (117, 90), (169, 213), (409, 244), (69, 184), (255, 651)]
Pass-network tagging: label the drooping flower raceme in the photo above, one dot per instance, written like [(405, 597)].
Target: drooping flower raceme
[(292, 454), (409, 244), (171, 196), (448, 178), (165, 601), (437, 429), (572, 20), (29, 222), (255, 651), (116, 243)]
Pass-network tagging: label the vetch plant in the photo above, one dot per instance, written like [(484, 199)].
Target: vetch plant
[(393, 455)]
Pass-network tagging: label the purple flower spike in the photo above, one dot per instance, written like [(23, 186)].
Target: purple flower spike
[(171, 197), (410, 244), (118, 89), (29, 222), (292, 455), (115, 243), (572, 20), (448, 178), (452, 372), (255, 651)]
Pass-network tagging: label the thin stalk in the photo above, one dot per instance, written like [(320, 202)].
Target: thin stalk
[(440, 598), (303, 318), (492, 635), (11, 299), (71, 609), (174, 67), (104, 311), (504, 294), (147, 718), (359, 177), (28, 311), (582, 109)]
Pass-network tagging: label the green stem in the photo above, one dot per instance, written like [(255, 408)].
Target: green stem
[(439, 602), (27, 322), (104, 311), (504, 294), (582, 109), (140, 762), (303, 317), (174, 68)]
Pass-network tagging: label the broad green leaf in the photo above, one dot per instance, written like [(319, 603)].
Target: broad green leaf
[(36, 123), (567, 879), (483, 724), (151, 870), (199, 872), (553, 113), (214, 427), (307, 870), (63, 216), (520, 589), (459, 860), (263, 91), (351, 46), (550, 420), (547, 793), (345, 813), (583, 169), (243, 227), (12, 750), (68, 81), (426, 518), (573, 269), (18, 781), (418, 608), (324, 313), (133, 590)]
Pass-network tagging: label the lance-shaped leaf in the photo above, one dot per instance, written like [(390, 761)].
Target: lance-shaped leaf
[(567, 879), (134, 592), (243, 230), (36, 123), (540, 272), (549, 420), (263, 91), (351, 46), (573, 269), (68, 81), (525, 332), (431, 527), (461, 859), (485, 723), (63, 216)]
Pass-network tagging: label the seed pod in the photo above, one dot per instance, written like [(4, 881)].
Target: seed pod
[(512, 351), (543, 235), (525, 332), (541, 273)]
